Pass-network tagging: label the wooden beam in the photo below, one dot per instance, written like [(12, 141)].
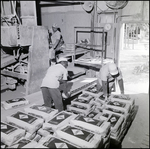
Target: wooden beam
[(14, 74), (10, 60)]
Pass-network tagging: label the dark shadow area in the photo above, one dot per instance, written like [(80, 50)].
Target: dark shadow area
[(72, 76), (115, 144), (38, 8), (68, 101), (118, 143)]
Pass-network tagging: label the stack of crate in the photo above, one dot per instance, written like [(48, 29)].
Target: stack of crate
[(83, 104)]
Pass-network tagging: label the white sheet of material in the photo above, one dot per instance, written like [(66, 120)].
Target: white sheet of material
[(24, 143), (78, 109), (79, 136), (60, 119), (41, 111), (12, 103), (129, 100), (26, 121), (81, 102), (10, 134), (95, 126), (124, 107), (52, 141), (92, 90)]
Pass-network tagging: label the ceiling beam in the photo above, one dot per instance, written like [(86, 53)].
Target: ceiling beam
[(59, 3)]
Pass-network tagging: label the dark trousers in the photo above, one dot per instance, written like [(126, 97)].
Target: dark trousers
[(52, 95)]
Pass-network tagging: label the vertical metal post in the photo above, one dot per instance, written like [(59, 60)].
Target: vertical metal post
[(133, 37), (102, 46), (128, 37), (92, 29), (125, 36)]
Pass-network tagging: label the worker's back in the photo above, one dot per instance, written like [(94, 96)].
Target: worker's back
[(53, 75)]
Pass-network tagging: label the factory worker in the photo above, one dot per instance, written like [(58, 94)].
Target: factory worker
[(55, 75), (106, 79), (56, 43)]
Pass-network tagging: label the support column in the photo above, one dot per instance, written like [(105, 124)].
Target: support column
[(28, 13)]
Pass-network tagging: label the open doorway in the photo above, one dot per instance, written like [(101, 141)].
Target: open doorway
[(134, 57)]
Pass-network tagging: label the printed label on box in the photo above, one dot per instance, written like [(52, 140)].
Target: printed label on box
[(21, 143), (116, 103), (15, 100), (82, 134), (79, 106), (59, 118), (92, 114), (42, 108), (7, 128), (56, 143), (113, 119), (81, 101), (24, 117), (89, 120), (115, 110)]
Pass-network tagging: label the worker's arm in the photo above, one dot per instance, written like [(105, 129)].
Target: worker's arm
[(62, 81), (63, 87), (56, 43), (121, 85)]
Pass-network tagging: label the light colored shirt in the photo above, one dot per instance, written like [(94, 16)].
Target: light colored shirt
[(104, 74), (53, 75), (55, 36)]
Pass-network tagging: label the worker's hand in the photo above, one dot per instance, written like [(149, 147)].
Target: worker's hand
[(66, 95)]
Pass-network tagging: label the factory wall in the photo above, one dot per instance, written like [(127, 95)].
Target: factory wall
[(68, 17)]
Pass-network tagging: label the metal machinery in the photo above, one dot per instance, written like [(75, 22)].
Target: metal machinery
[(22, 41), (14, 57)]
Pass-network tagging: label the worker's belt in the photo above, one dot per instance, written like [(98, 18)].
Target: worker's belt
[(113, 80)]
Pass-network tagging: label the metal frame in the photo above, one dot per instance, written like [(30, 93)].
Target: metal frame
[(104, 41)]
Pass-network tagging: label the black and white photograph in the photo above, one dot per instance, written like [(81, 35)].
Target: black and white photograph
[(84, 64)]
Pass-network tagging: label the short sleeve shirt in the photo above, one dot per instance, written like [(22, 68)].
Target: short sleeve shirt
[(55, 36), (104, 74), (53, 75)]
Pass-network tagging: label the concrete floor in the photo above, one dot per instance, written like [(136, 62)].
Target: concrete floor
[(135, 86), (139, 127)]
